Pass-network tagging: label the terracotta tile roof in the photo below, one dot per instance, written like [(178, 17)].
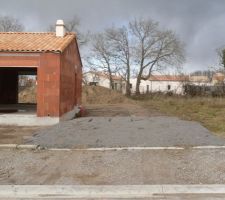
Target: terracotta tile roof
[(34, 42), (168, 78)]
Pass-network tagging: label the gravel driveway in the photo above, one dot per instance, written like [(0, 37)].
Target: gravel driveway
[(125, 132)]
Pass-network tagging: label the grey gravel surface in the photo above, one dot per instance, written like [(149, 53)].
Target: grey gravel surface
[(125, 132), (135, 167)]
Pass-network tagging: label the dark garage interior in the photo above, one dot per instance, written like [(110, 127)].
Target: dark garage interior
[(10, 87)]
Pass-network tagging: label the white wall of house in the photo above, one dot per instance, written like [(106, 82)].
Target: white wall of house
[(158, 86), (103, 81), (146, 86), (93, 78), (201, 83)]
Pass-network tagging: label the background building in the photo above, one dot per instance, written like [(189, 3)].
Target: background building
[(161, 83), (102, 79)]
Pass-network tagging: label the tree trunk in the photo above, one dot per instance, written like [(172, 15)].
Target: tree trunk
[(111, 82), (128, 92), (138, 84), (110, 76)]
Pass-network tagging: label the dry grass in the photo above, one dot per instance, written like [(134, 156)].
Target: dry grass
[(101, 95), (28, 95), (210, 112)]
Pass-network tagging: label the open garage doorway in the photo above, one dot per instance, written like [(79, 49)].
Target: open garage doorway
[(18, 87)]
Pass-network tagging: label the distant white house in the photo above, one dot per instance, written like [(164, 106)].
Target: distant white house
[(203, 80), (218, 79), (156, 83), (199, 80), (161, 83), (102, 79)]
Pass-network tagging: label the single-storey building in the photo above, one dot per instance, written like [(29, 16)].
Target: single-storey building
[(200, 80), (161, 83), (54, 58), (218, 79)]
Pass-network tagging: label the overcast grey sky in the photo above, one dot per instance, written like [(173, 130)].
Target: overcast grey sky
[(199, 23)]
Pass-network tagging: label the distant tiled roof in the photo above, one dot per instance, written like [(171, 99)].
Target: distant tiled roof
[(34, 42), (168, 78)]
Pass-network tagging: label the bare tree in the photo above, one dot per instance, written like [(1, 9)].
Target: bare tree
[(120, 42), (10, 24), (102, 57), (73, 25), (221, 55), (153, 49), (140, 46)]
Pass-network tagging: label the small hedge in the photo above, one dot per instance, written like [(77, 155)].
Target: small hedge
[(204, 90)]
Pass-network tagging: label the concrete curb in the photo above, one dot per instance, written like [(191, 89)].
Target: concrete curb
[(209, 147), (116, 149), (24, 146), (20, 146), (106, 192), (39, 147), (8, 146), (27, 120)]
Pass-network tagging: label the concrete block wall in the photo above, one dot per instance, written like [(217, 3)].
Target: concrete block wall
[(70, 79), (48, 85)]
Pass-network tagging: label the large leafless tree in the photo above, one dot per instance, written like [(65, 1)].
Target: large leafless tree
[(10, 24), (221, 55), (103, 57), (153, 49), (140, 46), (120, 43)]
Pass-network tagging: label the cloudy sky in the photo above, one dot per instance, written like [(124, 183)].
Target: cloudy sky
[(199, 23)]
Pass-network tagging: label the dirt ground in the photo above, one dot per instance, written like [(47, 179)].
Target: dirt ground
[(102, 95), (15, 135), (19, 135), (135, 167), (113, 110)]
